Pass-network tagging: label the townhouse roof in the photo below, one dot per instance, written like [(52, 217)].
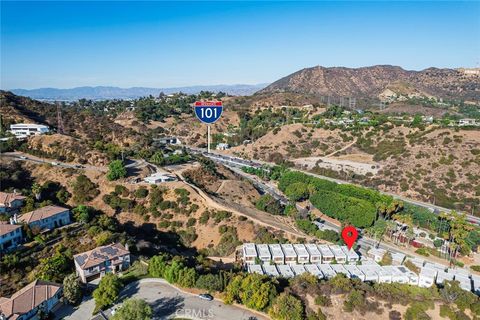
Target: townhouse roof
[(27, 298), (41, 213), (99, 255)]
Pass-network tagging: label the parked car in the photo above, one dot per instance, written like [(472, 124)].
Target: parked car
[(205, 296), (55, 163), (23, 157)]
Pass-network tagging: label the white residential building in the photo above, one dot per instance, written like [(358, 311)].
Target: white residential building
[(327, 255), (427, 277), (302, 253), (289, 253), (376, 254), (270, 270), (354, 272), (298, 269), (264, 253), (443, 276), (397, 275), (476, 283), (28, 129), (249, 253), (255, 268), (384, 276), (340, 256), (397, 258), (159, 177), (465, 282), (285, 271), (327, 270), (313, 269), (339, 268), (352, 256), (277, 253), (369, 272), (315, 255)]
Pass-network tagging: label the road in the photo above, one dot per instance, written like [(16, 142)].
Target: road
[(20, 156), (239, 162), (167, 302)]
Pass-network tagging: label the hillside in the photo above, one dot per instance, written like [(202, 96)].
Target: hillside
[(381, 81)]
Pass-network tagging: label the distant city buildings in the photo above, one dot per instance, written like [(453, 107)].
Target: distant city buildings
[(100, 261), (28, 301), (28, 129)]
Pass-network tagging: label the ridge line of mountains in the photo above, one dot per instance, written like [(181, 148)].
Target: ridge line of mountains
[(380, 82)]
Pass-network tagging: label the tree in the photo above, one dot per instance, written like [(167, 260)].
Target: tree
[(158, 158), (72, 291), (54, 267), (157, 265), (107, 292), (133, 309), (37, 191), (82, 213), (84, 189), (286, 307), (209, 282), (297, 191), (116, 170)]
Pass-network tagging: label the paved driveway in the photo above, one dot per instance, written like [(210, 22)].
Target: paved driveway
[(167, 302)]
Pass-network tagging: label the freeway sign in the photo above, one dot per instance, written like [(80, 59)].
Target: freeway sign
[(208, 111)]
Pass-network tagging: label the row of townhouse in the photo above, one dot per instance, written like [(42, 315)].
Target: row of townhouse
[(45, 218), (297, 254), (369, 271), (30, 300)]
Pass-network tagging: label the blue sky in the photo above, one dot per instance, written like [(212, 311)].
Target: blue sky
[(162, 44)]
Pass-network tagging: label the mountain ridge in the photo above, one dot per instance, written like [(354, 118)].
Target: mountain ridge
[(370, 82), (113, 92)]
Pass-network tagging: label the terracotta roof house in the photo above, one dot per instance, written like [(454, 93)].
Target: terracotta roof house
[(99, 261), (10, 236), (26, 303), (10, 202), (48, 217)]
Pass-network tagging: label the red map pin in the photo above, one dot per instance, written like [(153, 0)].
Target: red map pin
[(349, 235)]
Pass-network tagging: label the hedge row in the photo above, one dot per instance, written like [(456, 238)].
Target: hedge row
[(358, 212)]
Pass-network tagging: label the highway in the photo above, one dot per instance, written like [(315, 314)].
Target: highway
[(239, 162)]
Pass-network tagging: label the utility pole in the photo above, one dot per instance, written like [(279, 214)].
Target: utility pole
[(60, 128)]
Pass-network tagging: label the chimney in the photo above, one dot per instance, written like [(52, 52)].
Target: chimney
[(15, 218), (126, 246)]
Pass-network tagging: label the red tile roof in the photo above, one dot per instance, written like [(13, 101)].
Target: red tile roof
[(27, 298), (101, 254), (6, 198), (7, 228), (41, 213)]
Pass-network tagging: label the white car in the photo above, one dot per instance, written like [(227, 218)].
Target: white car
[(23, 157), (55, 163)]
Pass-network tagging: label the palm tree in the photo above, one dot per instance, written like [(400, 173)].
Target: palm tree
[(37, 191)]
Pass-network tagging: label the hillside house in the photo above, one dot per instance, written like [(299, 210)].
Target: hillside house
[(10, 236), (99, 261), (28, 129), (10, 202), (26, 303), (46, 218)]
